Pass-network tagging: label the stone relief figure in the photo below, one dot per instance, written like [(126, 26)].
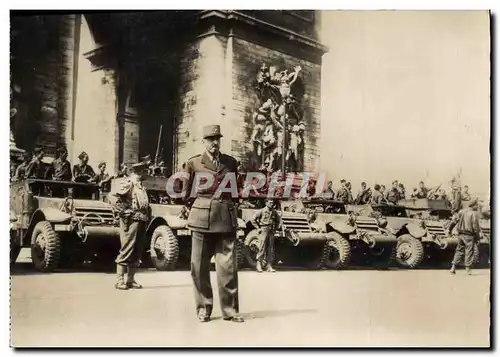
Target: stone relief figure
[(278, 104)]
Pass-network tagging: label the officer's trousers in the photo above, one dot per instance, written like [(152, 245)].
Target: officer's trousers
[(223, 246), (465, 245), (132, 237), (266, 249)]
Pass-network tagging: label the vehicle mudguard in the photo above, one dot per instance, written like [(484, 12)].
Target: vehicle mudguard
[(175, 222), (342, 228), (416, 230), (53, 215)]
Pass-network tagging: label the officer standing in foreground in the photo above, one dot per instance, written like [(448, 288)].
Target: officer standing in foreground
[(213, 223), (133, 208), (469, 233), (267, 221)]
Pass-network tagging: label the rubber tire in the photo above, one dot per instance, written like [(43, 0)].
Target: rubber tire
[(249, 255), (168, 261), (52, 253), (343, 248), (417, 252)]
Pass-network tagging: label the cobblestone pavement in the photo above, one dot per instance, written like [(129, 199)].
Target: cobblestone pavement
[(288, 308)]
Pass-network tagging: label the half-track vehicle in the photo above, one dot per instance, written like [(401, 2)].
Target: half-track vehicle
[(301, 240), (370, 242), (60, 221), (168, 237), (421, 226)]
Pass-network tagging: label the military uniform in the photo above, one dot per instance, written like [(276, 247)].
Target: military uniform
[(132, 206), (467, 224), (213, 223), (61, 170), (267, 220)]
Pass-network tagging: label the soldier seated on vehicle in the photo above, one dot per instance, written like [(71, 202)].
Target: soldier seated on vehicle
[(20, 173), (364, 195), (402, 191), (83, 172), (123, 172), (36, 169), (61, 167), (267, 220), (328, 193), (103, 179), (393, 194), (422, 190)]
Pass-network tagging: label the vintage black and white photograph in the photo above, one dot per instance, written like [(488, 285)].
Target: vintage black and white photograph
[(250, 178)]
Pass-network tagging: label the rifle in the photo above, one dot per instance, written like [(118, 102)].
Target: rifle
[(434, 191), (157, 155)]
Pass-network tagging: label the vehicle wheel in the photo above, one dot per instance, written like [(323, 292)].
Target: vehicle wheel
[(15, 248), (251, 248), (337, 252), (381, 257), (45, 247), (164, 248), (409, 252)]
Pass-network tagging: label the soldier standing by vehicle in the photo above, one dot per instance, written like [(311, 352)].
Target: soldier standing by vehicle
[(132, 206), (83, 171), (61, 166), (267, 221), (213, 223), (467, 224)]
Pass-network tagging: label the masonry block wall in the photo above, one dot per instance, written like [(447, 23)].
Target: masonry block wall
[(201, 94)]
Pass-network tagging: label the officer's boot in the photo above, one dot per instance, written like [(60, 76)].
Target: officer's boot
[(131, 283), (121, 270), (259, 266)]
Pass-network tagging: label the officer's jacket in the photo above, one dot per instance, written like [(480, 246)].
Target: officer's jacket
[(209, 214), (132, 201)]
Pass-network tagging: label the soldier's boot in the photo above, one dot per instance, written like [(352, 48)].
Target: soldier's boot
[(259, 267), (121, 270), (453, 269), (131, 283), (270, 269), (468, 270)]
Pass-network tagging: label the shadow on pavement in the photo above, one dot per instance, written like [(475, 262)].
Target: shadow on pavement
[(170, 286), (272, 313)]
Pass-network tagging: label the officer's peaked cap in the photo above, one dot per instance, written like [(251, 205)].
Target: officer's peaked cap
[(211, 131)]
